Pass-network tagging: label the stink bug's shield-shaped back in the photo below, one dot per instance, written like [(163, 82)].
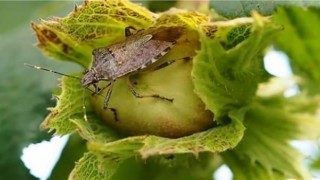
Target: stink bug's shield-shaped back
[(137, 52), (143, 49)]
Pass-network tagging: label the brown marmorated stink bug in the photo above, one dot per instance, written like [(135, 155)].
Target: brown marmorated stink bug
[(132, 55)]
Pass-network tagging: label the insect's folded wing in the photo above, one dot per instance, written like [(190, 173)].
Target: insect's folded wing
[(134, 58), (170, 34)]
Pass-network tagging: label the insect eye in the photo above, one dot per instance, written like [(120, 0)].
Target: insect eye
[(95, 76), (96, 51), (96, 79), (93, 52)]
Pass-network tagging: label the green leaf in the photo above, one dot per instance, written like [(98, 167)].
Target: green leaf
[(104, 21), (95, 129), (90, 167), (217, 139), (300, 40), (69, 114), (112, 154), (243, 168), (228, 79), (99, 23), (94, 24), (181, 167), (239, 8), (183, 18), (69, 106), (271, 124)]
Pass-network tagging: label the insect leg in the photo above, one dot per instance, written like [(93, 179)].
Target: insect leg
[(97, 90), (127, 31), (167, 63), (137, 95), (115, 113), (106, 100)]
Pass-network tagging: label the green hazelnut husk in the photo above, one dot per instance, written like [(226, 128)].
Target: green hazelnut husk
[(154, 116)]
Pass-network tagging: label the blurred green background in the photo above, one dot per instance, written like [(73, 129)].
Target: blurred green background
[(25, 92)]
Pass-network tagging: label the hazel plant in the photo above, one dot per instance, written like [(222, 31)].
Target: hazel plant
[(217, 116)]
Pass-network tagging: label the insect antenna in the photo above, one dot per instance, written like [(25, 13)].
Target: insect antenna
[(49, 70), (70, 76)]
